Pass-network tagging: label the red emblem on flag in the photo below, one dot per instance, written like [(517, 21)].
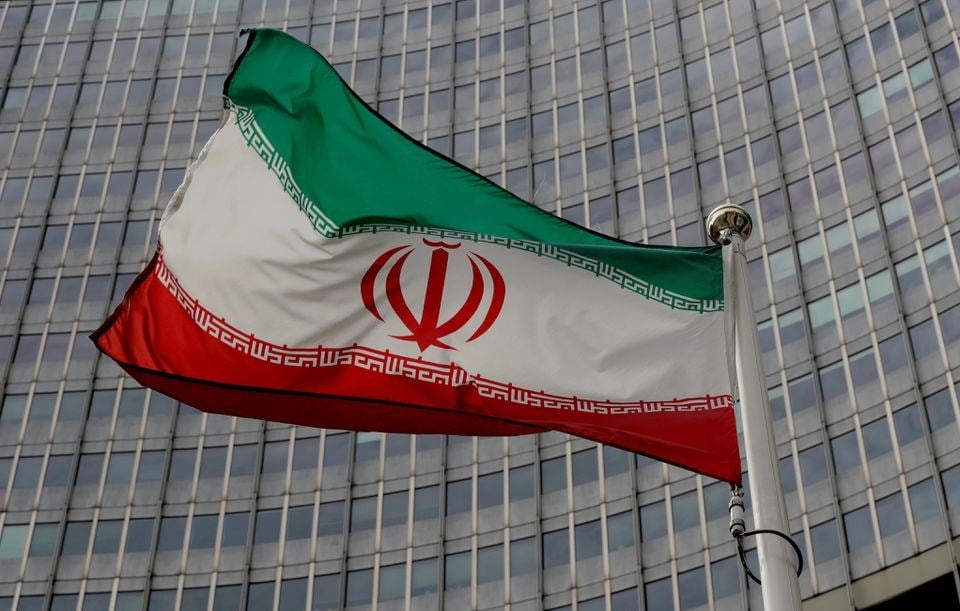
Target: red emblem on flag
[(429, 330)]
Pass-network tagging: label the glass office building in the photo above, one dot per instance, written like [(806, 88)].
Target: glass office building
[(832, 121)]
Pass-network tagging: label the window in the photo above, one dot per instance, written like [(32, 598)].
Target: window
[(859, 528), (226, 598), (326, 593), (846, 453), (259, 596), (150, 468), (923, 501), (716, 496), (693, 588), (182, 462), (588, 540), (863, 369), (274, 457), (951, 486), (907, 424), (556, 550), (213, 462), (620, 531), (490, 564), (659, 594), (895, 88), (869, 102), (43, 541), (851, 302), (584, 466), (946, 60), (75, 539), (459, 497), (139, 535), (523, 556), (299, 522), (821, 315), (457, 570), (192, 598), (490, 490), (653, 521), (107, 538), (363, 514), (920, 73), (826, 542), (615, 461), (939, 409), (553, 475), (791, 327), (890, 515), (120, 468), (788, 476), (726, 577), (424, 577), (244, 460), (521, 482), (394, 509), (162, 600), (88, 472), (267, 529), (28, 472), (392, 582), (813, 465), (13, 540), (367, 447), (335, 449), (876, 439), (396, 445), (426, 503), (802, 394), (235, 527), (171, 533), (882, 158), (686, 511)]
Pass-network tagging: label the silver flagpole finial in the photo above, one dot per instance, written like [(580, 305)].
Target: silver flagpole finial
[(724, 221)]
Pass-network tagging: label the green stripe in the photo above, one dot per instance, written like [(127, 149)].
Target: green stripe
[(346, 166)]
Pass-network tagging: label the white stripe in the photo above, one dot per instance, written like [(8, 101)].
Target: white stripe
[(238, 245)]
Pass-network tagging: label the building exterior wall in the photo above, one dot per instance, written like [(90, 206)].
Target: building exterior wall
[(832, 122)]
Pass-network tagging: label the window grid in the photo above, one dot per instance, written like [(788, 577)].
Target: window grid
[(872, 293)]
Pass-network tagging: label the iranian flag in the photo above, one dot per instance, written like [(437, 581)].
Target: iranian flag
[(319, 267)]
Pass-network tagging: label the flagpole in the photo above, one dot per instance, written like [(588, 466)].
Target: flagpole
[(730, 225)]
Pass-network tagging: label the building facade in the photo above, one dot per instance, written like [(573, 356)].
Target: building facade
[(832, 121)]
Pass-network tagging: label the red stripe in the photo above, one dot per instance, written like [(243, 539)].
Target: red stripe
[(159, 344)]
